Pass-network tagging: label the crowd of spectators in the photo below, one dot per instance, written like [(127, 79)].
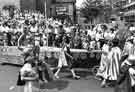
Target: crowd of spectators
[(52, 32)]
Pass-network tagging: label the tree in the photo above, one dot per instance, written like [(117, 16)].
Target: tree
[(95, 8)]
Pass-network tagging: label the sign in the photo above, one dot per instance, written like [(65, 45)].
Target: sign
[(61, 10)]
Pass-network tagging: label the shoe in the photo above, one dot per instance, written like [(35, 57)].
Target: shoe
[(45, 81), (76, 77), (98, 78), (103, 84), (12, 88), (57, 77)]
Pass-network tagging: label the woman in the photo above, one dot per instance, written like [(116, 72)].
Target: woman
[(110, 64), (115, 56), (104, 63)]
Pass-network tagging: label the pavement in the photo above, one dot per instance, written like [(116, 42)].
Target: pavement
[(8, 78)]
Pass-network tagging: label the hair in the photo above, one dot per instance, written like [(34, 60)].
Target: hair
[(115, 42), (130, 40)]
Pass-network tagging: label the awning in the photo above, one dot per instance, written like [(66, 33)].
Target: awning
[(129, 13)]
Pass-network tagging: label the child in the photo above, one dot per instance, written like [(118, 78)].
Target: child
[(63, 62)]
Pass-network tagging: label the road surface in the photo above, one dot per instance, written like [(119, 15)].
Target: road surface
[(8, 77)]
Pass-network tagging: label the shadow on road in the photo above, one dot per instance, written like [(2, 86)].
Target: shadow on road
[(82, 74), (57, 84)]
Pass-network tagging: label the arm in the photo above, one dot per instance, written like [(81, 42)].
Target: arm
[(21, 39), (69, 55)]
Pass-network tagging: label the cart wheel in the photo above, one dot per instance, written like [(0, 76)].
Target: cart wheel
[(95, 69)]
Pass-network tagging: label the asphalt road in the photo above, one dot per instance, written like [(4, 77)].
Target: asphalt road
[(8, 77)]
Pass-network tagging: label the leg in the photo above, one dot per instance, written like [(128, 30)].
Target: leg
[(73, 65), (26, 87), (74, 75), (103, 84), (29, 86), (57, 72)]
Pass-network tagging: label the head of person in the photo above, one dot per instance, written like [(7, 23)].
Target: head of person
[(109, 42), (61, 26), (30, 61), (26, 22), (104, 27), (128, 43), (25, 30), (112, 30), (115, 42), (134, 40)]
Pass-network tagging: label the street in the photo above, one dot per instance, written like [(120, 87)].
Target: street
[(8, 78)]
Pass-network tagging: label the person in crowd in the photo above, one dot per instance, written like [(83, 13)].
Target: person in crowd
[(104, 63), (24, 39), (27, 75), (115, 61), (126, 82), (109, 34), (110, 61)]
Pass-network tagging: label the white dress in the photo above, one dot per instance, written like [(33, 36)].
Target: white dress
[(104, 63), (62, 59), (114, 64)]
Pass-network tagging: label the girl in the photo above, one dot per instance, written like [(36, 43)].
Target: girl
[(64, 63)]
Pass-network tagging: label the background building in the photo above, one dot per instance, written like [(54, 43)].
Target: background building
[(129, 11), (9, 2), (54, 8), (63, 8)]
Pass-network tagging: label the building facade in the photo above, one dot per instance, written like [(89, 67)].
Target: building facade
[(53, 8), (65, 8), (9, 2), (129, 11)]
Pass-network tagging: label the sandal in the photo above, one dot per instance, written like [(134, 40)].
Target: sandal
[(76, 77)]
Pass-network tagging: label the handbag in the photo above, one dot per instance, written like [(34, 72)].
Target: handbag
[(20, 82)]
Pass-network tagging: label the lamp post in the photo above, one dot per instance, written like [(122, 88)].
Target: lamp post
[(46, 20)]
